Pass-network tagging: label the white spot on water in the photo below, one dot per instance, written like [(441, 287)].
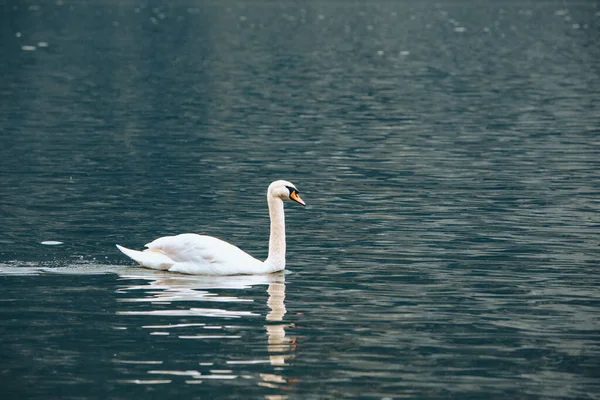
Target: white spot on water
[(42, 44), (248, 362), (141, 362), (404, 52), (575, 26), (18, 34), (460, 29), (28, 48), (380, 52), (51, 243), (215, 376)]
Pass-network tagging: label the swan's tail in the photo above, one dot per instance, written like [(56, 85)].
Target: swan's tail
[(149, 258)]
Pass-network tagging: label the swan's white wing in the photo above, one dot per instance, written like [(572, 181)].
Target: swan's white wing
[(199, 254), (148, 258)]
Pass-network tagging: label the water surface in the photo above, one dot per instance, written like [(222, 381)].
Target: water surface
[(448, 153)]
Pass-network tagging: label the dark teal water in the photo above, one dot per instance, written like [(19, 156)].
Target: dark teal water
[(449, 153)]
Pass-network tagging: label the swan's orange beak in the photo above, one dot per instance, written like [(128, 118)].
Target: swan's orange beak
[(296, 197)]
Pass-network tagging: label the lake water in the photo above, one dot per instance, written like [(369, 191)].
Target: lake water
[(449, 154)]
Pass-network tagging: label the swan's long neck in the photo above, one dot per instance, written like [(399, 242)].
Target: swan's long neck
[(277, 238)]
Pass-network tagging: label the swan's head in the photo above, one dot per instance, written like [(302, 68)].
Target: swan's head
[(284, 190)]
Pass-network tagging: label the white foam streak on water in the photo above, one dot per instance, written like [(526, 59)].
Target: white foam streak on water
[(204, 312), (150, 362), (146, 381), (172, 326), (178, 373)]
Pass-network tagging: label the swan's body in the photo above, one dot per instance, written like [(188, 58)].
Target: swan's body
[(190, 253)]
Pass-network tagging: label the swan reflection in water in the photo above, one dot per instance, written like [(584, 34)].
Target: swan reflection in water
[(280, 346), (163, 289)]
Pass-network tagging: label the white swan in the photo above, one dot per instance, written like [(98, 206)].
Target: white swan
[(190, 253)]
